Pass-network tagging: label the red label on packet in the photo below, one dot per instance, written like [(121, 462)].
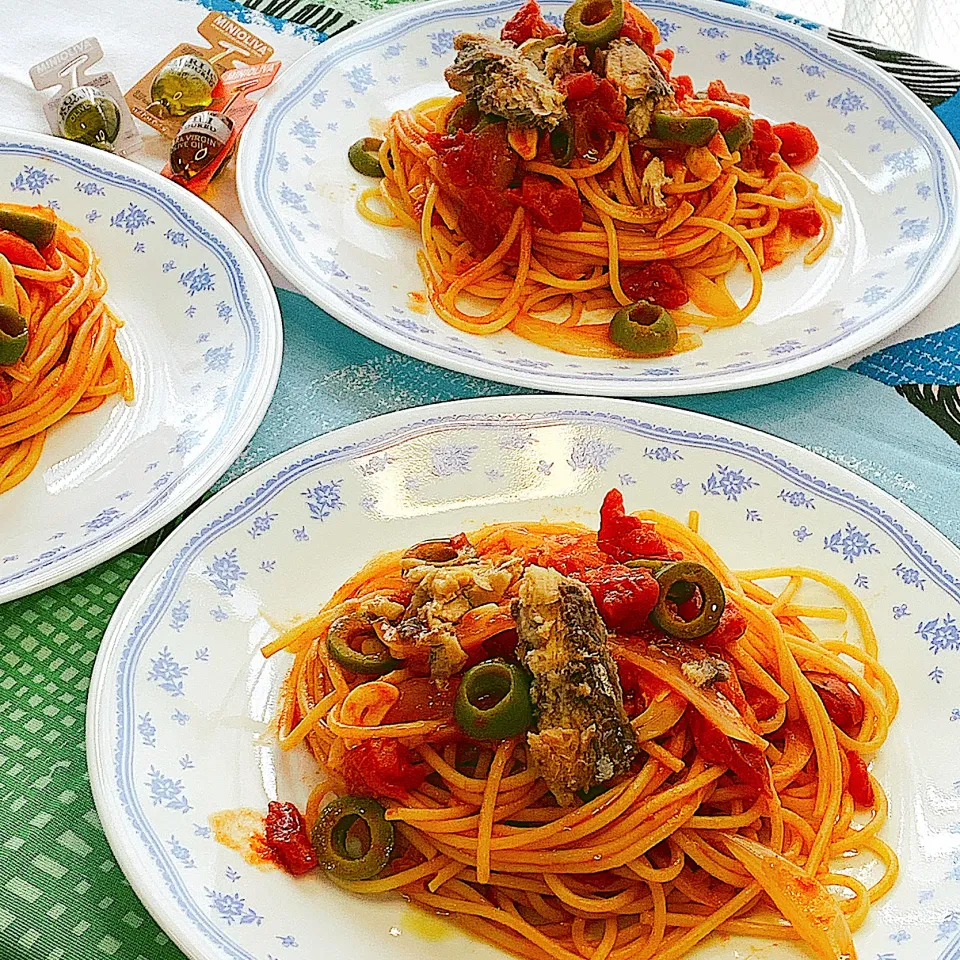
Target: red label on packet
[(207, 138)]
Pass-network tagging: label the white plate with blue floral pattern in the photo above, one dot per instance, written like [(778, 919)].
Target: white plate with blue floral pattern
[(181, 699), (884, 156), (202, 336)]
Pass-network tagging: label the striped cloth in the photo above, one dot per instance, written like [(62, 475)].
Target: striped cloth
[(932, 82), (321, 17)]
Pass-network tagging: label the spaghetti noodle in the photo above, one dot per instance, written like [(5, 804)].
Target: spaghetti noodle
[(71, 362), (632, 189), (723, 806)]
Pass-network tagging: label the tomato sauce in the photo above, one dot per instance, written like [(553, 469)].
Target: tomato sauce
[(762, 152), (717, 90), (567, 554), (286, 836), (634, 29), (596, 116), (526, 24), (555, 207), (744, 760), (421, 699), (803, 221), (625, 537), (841, 701), (798, 145), (660, 283), (382, 767), (624, 597), (242, 830), (861, 789)]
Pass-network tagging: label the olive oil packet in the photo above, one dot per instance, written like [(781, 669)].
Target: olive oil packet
[(85, 108), (207, 138), (183, 82)]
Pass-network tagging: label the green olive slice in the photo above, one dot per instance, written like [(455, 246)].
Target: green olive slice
[(739, 135), (343, 856), (644, 328), (14, 335), (364, 156), (713, 600), (353, 643), (593, 22), (695, 131), (493, 701)]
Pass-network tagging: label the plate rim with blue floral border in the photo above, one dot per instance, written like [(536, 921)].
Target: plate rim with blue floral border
[(202, 308), (178, 716)]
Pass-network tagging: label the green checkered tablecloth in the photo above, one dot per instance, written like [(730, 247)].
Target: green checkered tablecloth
[(62, 895)]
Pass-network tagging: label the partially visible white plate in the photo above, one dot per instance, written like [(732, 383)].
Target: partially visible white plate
[(884, 155), (203, 338), (181, 698)]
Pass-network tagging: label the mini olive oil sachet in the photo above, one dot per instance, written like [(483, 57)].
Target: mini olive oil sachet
[(184, 81), (207, 138), (87, 109)]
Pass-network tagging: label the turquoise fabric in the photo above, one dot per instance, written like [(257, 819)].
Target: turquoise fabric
[(933, 358)]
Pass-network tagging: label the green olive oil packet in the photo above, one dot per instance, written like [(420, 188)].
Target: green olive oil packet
[(85, 108), (185, 81)]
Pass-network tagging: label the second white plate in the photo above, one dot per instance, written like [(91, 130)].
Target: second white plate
[(181, 698), (202, 336), (884, 156)]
